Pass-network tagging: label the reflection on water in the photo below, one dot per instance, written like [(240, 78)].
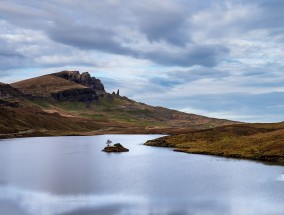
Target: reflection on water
[(281, 177), (71, 176), (43, 203), (36, 203)]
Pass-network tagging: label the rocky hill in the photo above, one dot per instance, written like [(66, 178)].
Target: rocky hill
[(75, 97), (83, 79), (7, 91), (63, 86)]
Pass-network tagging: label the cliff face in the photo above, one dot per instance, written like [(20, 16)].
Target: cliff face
[(6, 91), (76, 95), (84, 79), (62, 86)]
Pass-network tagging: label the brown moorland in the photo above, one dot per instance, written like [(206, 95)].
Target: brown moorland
[(70, 103), (260, 141)]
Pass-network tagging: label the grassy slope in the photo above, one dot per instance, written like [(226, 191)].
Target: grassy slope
[(110, 114), (113, 108), (251, 141), (25, 119), (44, 85), (122, 110)]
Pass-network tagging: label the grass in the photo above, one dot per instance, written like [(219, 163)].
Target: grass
[(41, 103), (250, 141), (94, 116), (44, 85), (110, 113), (70, 106)]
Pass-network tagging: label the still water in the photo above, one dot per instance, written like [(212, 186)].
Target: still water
[(72, 176)]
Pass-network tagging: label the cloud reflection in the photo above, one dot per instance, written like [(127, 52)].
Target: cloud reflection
[(35, 203), (281, 177)]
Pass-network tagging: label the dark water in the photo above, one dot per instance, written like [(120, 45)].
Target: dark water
[(70, 175)]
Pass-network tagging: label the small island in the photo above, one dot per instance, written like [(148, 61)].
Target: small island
[(115, 148)]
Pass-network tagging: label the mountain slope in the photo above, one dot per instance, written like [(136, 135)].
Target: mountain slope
[(44, 86), (251, 141), (6, 91), (48, 85), (73, 96), (30, 121)]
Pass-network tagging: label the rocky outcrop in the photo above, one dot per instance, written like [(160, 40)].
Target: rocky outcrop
[(6, 91), (84, 79), (6, 103), (76, 95), (115, 148)]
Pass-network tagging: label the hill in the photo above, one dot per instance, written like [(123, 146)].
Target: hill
[(6, 91), (44, 86), (79, 98), (250, 141)]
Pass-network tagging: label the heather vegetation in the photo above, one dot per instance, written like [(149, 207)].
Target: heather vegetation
[(251, 141)]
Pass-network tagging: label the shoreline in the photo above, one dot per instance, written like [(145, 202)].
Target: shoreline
[(268, 160), (279, 161), (111, 130)]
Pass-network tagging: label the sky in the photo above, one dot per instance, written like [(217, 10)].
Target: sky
[(221, 58)]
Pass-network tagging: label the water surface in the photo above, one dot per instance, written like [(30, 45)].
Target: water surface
[(71, 176)]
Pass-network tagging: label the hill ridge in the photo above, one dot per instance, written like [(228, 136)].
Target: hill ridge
[(84, 79), (71, 94)]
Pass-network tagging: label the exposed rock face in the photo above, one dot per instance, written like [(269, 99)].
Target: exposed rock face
[(115, 148), (6, 91), (6, 103), (76, 95), (84, 79)]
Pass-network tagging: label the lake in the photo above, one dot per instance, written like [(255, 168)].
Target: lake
[(72, 176)]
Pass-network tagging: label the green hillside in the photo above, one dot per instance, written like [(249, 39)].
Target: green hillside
[(72, 103)]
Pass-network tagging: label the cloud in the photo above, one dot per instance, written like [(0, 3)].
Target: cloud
[(10, 57), (163, 22), (272, 14), (86, 37), (159, 26), (104, 40), (205, 55)]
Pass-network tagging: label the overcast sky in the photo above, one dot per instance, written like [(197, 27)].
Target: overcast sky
[(220, 58)]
